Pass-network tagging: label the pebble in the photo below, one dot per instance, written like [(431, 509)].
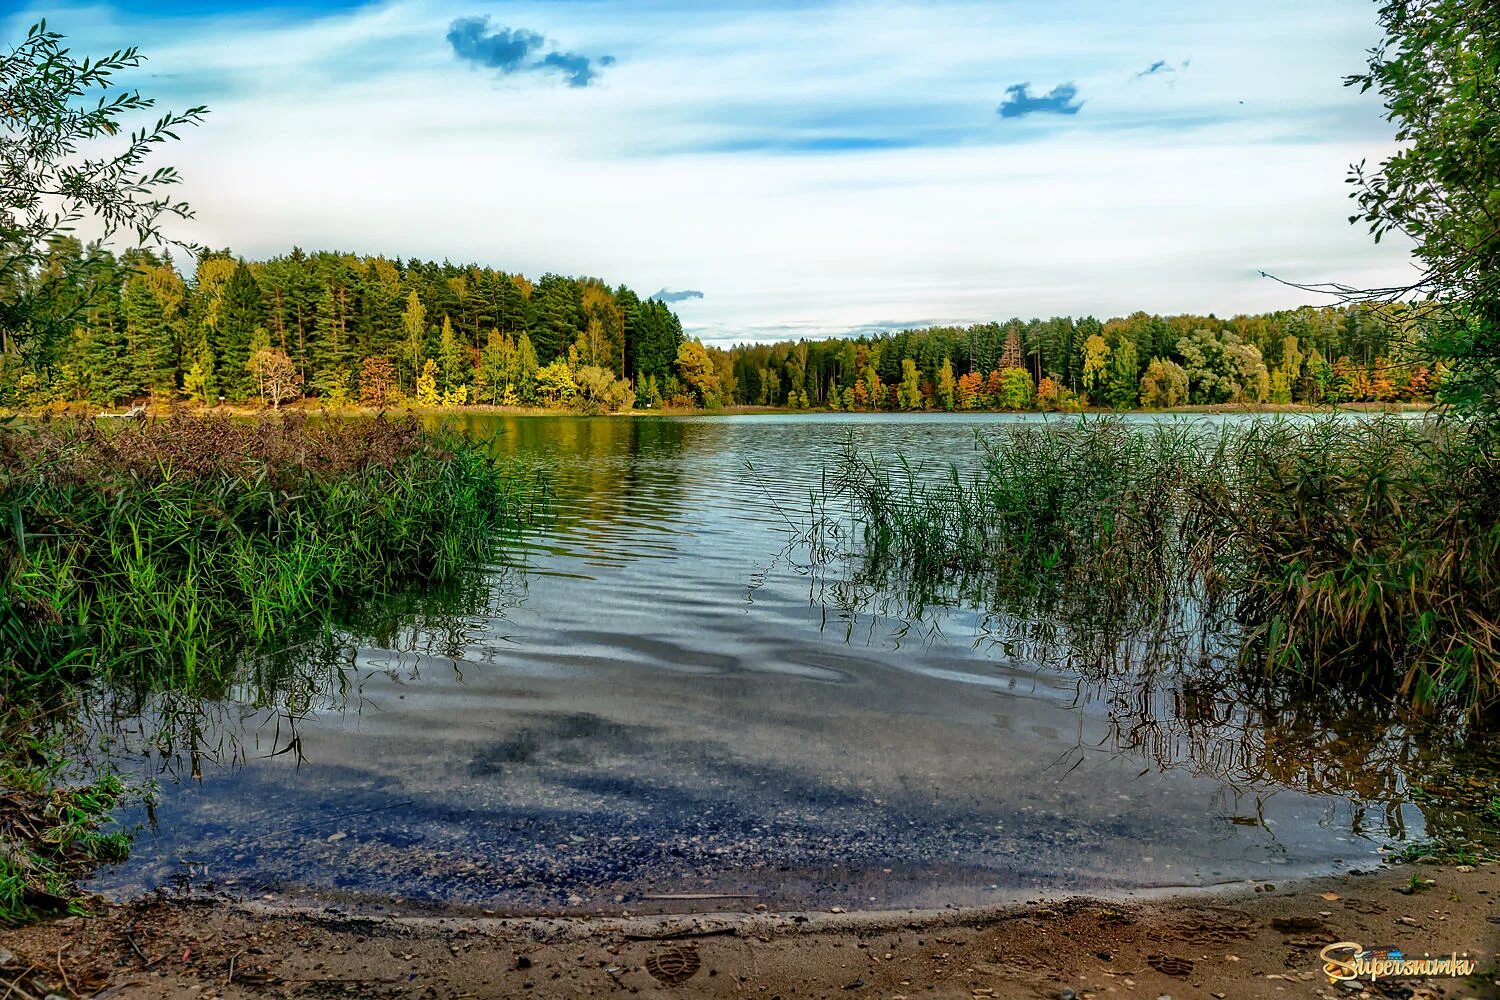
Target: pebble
[(6, 957), (1067, 994)]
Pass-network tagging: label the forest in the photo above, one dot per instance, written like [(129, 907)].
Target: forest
[(345, 330)]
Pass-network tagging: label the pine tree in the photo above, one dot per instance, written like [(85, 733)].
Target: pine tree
[(558, 319), (110, 378), (240, 314), (153, 356), (1011, 357), (326, 350)]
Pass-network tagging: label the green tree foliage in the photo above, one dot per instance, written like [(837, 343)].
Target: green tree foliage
[(909, 391), (600, 391), (1438, 70), (654, 335), (329, 313), (67, 156), (150, 302), (555, 385), (1016, 390), (241, 313), (454, 362), (1164, 384), (947, 388), (414, 329), (1123, 384)]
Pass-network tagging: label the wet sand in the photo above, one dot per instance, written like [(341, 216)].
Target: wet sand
[(1249, 942)]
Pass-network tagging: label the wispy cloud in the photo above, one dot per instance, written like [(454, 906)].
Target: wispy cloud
[(503, 49), (578, 69), (1162, 68), (667, 295), (512, 50), (759, 144), (1019, 101)]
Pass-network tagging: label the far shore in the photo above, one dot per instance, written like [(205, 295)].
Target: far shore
[(312, 406)]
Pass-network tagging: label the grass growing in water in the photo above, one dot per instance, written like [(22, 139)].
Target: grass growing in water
[(1364, 553), (163, 555), (52, 824), (162, 549)]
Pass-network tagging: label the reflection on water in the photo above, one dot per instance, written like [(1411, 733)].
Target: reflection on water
[(668, 698)]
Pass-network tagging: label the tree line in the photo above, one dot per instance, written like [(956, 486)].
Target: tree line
[(339, 327), (346, 329), (1307, 355)]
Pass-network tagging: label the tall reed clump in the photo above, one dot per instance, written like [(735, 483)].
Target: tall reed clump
[(161, 550), (1365, 551), (1362, 552), (1083, 526)]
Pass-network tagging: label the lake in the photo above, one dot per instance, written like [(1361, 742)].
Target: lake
[(662, 700)]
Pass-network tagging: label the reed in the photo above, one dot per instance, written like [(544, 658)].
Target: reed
[(161, 550), (181, 555), (1359, 553)]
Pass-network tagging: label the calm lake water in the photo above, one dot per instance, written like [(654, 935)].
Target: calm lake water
[(663, 701)]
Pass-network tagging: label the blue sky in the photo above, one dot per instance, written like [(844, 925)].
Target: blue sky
[(807, 167)]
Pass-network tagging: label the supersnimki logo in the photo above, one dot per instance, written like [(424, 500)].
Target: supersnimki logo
[(1350, 960)]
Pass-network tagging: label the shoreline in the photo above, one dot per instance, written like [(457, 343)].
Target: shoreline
[(1242, 942), (311, 407)]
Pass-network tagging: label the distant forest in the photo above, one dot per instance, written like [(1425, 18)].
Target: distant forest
[(351, 330)]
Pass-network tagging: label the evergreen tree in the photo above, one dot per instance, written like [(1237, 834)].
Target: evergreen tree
[(240, 315), (153, 355), (558, 316)]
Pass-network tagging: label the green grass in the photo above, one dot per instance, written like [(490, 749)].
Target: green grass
[(160, 552), (1359, 554), (181, 556), (53, 827)]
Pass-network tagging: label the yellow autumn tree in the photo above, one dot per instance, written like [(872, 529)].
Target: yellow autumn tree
[(427, 390), (1095, 360)]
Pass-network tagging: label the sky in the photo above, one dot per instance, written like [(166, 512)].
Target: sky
[(784, 168)]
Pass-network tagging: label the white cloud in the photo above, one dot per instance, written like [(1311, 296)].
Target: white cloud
[(358, 130)]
